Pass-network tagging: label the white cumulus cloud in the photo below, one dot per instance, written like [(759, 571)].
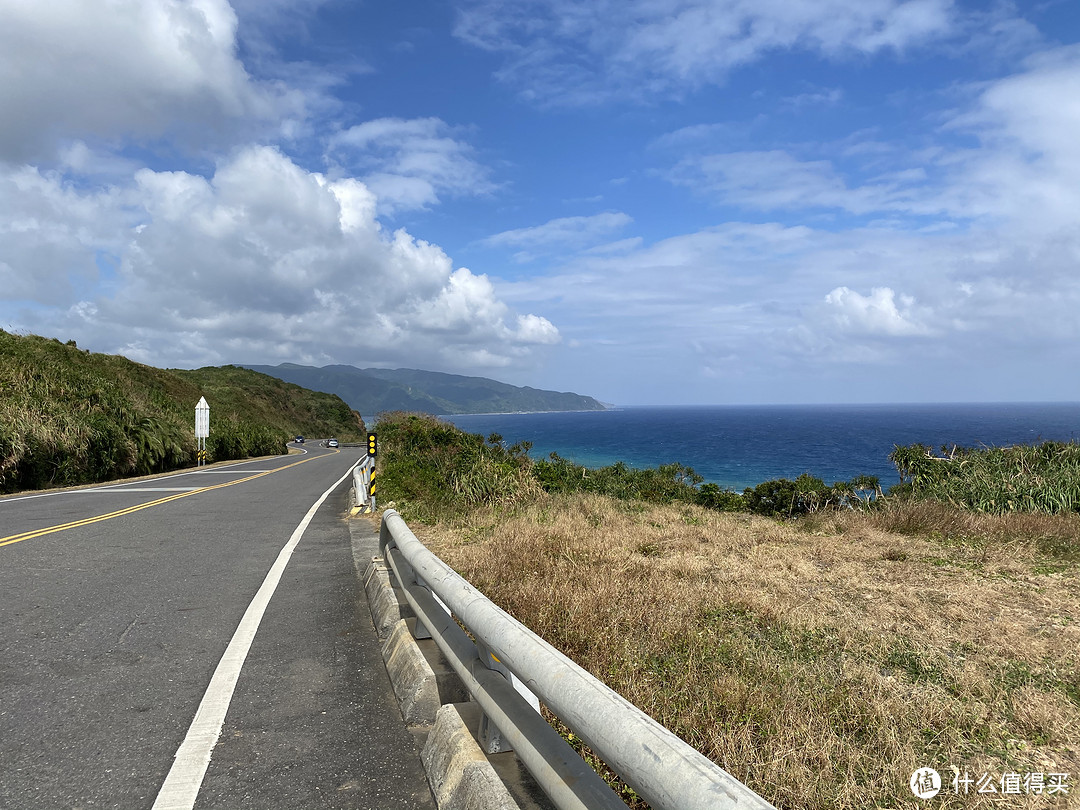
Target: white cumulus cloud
[(72, 69), (263, 261), (874, 314)]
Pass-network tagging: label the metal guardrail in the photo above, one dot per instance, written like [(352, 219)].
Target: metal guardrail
[(363, 478), (664, 770)]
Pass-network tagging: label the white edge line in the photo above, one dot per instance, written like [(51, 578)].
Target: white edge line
[(181, 786)]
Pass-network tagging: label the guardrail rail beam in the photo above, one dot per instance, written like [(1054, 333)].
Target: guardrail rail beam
[(667, 772)]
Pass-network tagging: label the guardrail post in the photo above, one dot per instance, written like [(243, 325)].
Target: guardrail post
[(421, 630), (491, 739)]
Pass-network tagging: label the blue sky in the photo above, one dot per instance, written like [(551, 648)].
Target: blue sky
[(648, 201)]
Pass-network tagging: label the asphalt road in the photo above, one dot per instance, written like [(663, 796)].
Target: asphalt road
[(117, 604)]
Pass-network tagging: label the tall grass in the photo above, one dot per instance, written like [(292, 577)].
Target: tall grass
[(1040, 478), (432, 469)]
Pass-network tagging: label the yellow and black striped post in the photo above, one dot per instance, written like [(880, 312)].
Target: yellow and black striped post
[(372, 450)]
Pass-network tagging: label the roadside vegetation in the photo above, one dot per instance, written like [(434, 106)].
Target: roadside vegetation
[(1040, 478), (69, 417), (818, 642)]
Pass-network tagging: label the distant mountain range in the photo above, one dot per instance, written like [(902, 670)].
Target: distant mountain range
[(374, 390)]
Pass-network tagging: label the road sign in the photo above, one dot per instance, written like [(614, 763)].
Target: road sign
[(202, 428), (372, 444), (202, 419)]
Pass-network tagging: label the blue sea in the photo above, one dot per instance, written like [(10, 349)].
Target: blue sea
[(741, 446)]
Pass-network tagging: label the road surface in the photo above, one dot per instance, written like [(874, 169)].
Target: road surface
[(129, 618)]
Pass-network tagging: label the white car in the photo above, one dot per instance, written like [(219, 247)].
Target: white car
[(331, 442)]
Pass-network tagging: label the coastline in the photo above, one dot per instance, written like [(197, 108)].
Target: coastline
[(739, 446), (450, 416)]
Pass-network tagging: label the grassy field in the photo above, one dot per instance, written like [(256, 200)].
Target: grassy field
[(69, 416), (819, 659), (820, 662)]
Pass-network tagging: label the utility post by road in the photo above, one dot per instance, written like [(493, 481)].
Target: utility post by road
[(372, 449)]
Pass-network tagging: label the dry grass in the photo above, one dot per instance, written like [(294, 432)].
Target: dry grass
[(819, 662)]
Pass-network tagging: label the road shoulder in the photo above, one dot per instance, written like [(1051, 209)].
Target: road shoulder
[(314, 722)]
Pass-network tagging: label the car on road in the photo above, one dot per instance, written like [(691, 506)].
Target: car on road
[(331, 443), (299, 439)]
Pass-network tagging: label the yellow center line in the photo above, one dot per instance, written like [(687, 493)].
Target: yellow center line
[(18, 538)]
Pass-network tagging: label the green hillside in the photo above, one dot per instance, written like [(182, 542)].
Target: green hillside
[(68, 416), (377, 390)]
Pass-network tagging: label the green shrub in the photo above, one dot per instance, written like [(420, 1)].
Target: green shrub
[(712, 496), (808, 494), (776, 498), (663, 484)]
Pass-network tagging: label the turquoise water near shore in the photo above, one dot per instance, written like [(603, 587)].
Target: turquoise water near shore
[(741, 446)]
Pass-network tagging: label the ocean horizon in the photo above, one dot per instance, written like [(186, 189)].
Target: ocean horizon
[(739, 446)]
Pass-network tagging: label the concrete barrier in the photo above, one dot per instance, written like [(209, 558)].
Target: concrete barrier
[(412, 677), (386, 609), (430, 694), (460, 776)]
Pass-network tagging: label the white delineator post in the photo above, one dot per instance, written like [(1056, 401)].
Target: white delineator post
[(202, 428)]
